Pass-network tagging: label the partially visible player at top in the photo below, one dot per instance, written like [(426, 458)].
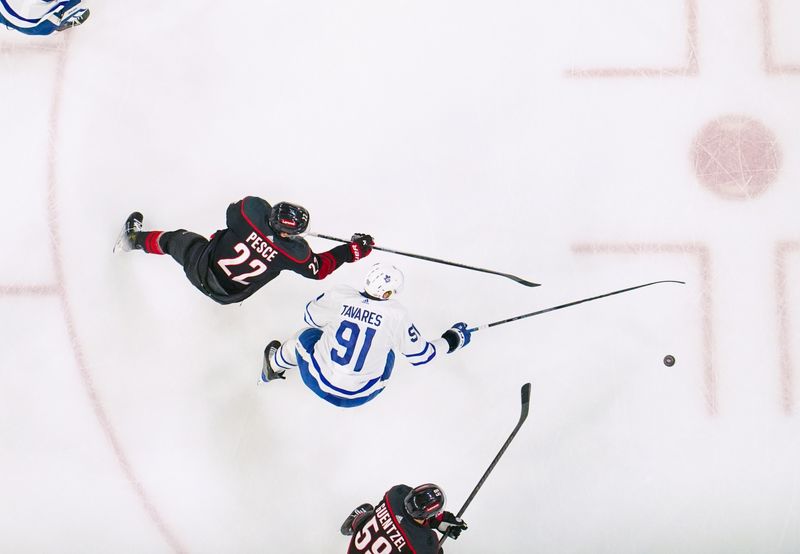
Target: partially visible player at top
[(258, 243), (41, 17), (348, 354), (402, 523)]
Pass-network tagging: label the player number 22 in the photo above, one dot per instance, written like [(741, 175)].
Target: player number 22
[(244, 253), (347, 337)]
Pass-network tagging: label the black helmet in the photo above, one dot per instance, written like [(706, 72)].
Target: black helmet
[(288, 218), (424, 501)]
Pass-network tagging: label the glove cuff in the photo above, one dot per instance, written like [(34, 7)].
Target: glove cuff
[(341, 254), (355, 252), (453, 339)]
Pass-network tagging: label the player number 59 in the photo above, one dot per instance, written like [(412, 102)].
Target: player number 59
[(364, 537)]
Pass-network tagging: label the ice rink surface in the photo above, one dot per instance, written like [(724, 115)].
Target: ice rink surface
[(589, 145)]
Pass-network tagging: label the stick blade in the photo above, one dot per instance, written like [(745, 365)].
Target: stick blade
[(521, 281), (525, 394)]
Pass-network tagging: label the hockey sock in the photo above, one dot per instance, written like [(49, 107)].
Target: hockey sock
[(284, 357), (150, 241)]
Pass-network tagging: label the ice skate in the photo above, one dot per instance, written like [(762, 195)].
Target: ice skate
[(127, 237), (267, 373), (73, 19)]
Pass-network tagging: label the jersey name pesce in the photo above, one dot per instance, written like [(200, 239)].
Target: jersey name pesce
[(361, 314), (262, 247)]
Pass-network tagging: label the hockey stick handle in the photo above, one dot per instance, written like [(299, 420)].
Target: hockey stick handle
[(574, 303), (437, 260), (525, 397)]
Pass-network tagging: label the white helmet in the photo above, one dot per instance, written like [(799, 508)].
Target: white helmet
[(383, 281)]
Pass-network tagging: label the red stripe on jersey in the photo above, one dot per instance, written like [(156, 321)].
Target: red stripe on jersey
[(327, 263), (151, 245), (272, 244), (396, 523)]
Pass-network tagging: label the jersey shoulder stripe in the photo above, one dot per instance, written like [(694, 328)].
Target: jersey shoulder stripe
[(308, 318), (264, 237)]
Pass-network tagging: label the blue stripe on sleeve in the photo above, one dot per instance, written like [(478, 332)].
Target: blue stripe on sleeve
[(421, 352), (309, 319), (428, 359)]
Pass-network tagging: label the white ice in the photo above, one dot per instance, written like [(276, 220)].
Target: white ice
[(129, 417)]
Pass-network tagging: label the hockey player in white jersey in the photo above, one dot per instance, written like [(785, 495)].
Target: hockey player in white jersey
[(41, 17), (347, 355)]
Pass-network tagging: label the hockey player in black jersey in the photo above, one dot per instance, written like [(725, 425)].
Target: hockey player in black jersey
[(258, 243), (403, 522)]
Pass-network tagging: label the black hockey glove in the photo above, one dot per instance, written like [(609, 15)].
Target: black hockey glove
[(360, 246), (450, 525), (356, 518), (457, 336)]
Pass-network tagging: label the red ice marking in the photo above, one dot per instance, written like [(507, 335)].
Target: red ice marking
[(32, 45), (770, 66), (736, 156), (703, 256), (28, 290), (782, 251), (690, 67), (74, 338)]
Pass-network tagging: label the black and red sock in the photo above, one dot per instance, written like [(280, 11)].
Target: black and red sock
[(149, 241)]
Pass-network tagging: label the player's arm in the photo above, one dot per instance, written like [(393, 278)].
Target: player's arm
[(420, 351), (321, 310), (321, 265), (448, 524)]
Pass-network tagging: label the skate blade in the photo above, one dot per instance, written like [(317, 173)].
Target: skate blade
[(122, 243)]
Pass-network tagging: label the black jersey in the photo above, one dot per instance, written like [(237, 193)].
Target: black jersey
[(248, 254), (389, 531)]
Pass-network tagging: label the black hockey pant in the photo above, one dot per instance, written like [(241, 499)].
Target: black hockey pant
[(187, 249)]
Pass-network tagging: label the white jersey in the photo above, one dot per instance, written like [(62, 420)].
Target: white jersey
[(353, 357)]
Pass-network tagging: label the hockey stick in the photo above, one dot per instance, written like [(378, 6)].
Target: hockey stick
[(525, 393), (438, 261), (554, 308)]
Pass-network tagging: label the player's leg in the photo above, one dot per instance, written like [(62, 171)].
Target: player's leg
[(278, 357), (179, 244), (42, 17), (191, 251), (183, 246), (72, 18), (285, 357)]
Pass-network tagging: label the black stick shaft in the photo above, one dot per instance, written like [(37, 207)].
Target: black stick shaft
[(438, 261), (525, 396), (576, 302)]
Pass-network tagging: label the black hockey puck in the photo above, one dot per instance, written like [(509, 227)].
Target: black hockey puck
[(669, 360)]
